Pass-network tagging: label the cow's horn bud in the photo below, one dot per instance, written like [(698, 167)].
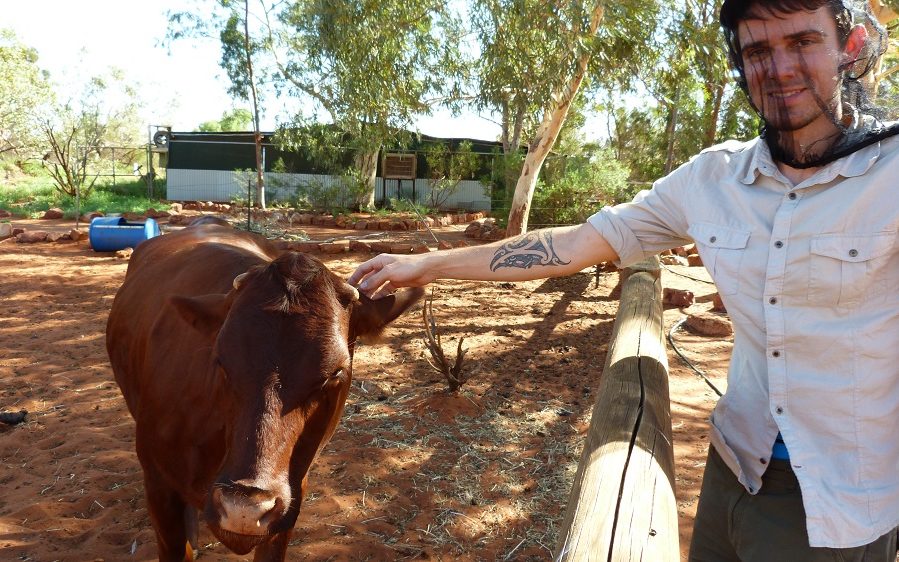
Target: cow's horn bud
[(239, 279), (354, 291)]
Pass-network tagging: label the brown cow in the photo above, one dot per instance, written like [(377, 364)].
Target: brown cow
[(235, 360)]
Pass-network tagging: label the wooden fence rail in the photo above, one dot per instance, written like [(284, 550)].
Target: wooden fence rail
[(622, 504)]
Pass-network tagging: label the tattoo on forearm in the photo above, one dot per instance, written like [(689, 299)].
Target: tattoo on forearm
[(527, 250)]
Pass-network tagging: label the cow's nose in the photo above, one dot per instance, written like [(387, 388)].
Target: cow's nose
[(246, 509)]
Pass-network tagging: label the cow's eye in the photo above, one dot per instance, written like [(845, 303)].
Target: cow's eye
[(338, 374)]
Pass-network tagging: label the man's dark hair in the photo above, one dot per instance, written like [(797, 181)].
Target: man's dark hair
[(735, 11)]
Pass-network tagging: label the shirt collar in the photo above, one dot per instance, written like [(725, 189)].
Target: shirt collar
[(760, 162)]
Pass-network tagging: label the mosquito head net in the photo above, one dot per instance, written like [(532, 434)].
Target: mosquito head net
[(808, 68)]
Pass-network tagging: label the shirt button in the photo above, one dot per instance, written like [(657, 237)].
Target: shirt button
[(775, 353), (763, 461), (853, 253), (773, 300), (713, 239), (792, 196), (779, 410), (778, 244)]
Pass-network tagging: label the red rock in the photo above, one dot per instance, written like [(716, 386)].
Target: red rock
[(338, 247), (325, 220), (444, 245), (461, 244), (360, 225), (5, 230), (52, 214), (55, 236), (305, 247), (381, 247), (31, 237), (17, 230), (694, 260), (192, 206), (717, 303), (281, 244), (176, 208), (710, 324), (4, 214), (384, 224), (76, 234), (420, 249), (88, 217), (124, 253), (342, 221), (398, 225), (673, 259), (677, 297), (401, 248), (359, 246)]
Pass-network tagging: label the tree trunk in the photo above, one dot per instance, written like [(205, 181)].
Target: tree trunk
[(367, 164), (257, 136), (669, 132), (545, 138), (717, 95)]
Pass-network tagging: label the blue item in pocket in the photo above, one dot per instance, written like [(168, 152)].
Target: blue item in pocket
[(779, 451)]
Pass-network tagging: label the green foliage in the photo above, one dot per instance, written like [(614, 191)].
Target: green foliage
[(696, 102), (579, 187), (447, 167), (24, 90), (78, 131), (530, 50), (237, 119), (403, 204), (36, 194)]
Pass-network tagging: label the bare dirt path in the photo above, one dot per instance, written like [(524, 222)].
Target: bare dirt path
[(412, 473)]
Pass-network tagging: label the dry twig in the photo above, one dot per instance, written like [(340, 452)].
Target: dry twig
[(455, 378)]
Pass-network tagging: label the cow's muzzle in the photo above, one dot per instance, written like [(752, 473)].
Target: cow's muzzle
[(247, 508)]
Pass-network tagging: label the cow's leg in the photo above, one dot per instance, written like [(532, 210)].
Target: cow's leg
[(167, 513), (274, 549), (192, 526)]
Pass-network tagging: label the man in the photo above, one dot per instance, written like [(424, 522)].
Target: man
[(798, 228)]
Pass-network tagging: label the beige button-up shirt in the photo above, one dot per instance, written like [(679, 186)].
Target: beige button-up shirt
[(810, 277)]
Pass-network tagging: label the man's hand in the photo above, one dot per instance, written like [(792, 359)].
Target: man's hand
[(384, 274)]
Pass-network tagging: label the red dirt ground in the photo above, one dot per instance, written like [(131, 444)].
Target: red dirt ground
[(412, 472)]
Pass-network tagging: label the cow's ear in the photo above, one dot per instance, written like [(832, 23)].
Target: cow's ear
[(370, 317), (205, 313)]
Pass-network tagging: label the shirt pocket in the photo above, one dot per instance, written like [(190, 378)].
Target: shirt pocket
[(722, 249), (847, 270)]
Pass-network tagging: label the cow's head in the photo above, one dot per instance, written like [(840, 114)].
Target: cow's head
[(284, 358)]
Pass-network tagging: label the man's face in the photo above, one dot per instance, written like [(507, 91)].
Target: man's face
[(791, 63)]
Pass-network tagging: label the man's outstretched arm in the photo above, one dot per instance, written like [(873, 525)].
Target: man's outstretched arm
[(534, 255)]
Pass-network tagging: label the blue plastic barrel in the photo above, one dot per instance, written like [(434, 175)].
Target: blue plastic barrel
[(109, 234)]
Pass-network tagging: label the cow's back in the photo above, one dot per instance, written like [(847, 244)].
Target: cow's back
[(192, 262)]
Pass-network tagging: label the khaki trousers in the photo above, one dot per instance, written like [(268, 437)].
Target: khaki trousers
[(733, 526)]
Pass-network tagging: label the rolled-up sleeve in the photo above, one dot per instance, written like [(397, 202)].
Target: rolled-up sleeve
[(654, 221)]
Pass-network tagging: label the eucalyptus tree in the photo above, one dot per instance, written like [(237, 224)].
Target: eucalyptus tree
[(81, 132), (696, 102), (230, 22), (367, 66), (372, 66), (24, 90), (535, 56)]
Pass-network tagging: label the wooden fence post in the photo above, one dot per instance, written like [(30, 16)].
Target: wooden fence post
[(622, 504)]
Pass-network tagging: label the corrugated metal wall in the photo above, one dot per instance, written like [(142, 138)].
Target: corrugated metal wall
[(225, 186)]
